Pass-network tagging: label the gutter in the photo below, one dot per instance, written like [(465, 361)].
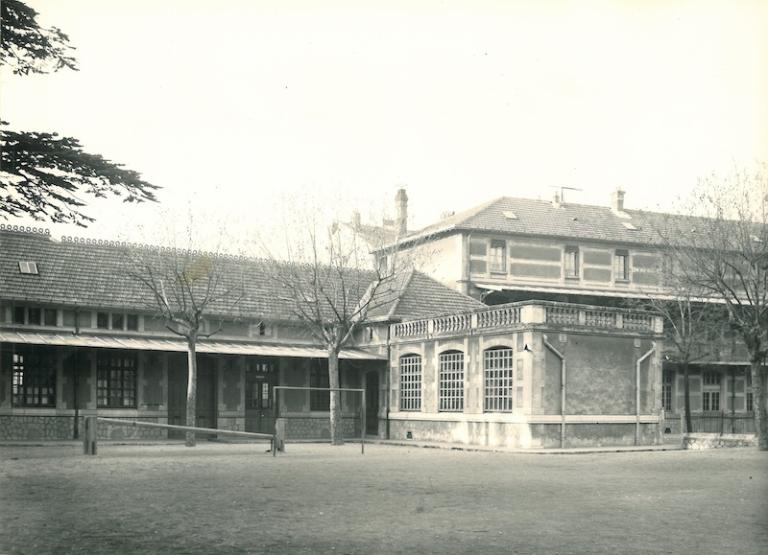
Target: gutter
[(637, 392), (560, 355)]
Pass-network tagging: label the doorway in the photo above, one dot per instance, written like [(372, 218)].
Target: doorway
[(260, 379), (372, 402)]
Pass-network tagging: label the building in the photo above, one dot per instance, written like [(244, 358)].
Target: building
[(77, 338), (512, 250)]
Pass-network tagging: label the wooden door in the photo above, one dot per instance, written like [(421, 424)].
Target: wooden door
[(260, 378)]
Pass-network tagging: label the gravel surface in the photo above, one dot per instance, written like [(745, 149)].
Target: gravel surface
[(235, 498)]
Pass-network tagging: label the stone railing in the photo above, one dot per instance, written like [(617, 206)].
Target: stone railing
[(514, 315)]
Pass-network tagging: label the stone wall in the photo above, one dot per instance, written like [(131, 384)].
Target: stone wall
[(716, 441)]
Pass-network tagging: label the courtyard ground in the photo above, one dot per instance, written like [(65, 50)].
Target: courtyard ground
[(225, 498)]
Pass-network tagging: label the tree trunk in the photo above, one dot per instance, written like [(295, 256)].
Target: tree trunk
[(758, 404), (337, 437), (687, 398), (191, 388)]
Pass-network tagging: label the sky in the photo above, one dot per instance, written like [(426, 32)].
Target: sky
[(244, 110)]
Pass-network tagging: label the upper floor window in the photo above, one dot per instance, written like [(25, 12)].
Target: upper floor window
[(571, 262), (35, 316), (410, 382), (34, 377), (499, 387), (621, 266), (451, 381), (497, 256), (117, 321), (478, 252)]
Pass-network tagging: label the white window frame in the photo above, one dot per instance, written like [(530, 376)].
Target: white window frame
[(498, 379), (410, 382), (451, 381)]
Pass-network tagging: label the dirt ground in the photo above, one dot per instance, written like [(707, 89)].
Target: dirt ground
[(219, 498)]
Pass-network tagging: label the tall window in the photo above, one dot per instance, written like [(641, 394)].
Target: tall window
[(497, 256), (318, 377), (710, 396), (571, 262), (621, 266), (499, 388), (666, 391), (116, 379), (750, 396), (410, 382), (34, 377), (451, 381)]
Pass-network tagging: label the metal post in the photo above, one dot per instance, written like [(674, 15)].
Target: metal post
[(276, 411), (363, 416), (89, 441)]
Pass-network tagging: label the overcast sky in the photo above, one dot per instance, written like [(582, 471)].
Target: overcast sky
[(235, 106)]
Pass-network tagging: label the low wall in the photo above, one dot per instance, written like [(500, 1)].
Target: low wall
[(697, 442), (523, 435)]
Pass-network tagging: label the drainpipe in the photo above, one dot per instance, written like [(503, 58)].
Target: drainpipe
[(637, 393), (389, 373), (560, 355)]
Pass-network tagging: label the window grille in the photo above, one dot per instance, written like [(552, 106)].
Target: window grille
[(116, 380), (712, 378), (451, 382), (34, 378), (666, 391), (498, 380), (410, 382)]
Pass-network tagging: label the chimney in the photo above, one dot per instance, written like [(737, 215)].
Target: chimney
[(401, 212), (617, 200), (556, 200)]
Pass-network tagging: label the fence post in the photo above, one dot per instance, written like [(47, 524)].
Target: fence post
[(279, 434)]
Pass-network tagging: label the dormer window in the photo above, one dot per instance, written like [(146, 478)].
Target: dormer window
[(28, 267)]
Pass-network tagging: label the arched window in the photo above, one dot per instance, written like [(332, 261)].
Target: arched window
[(410, 382), (499, 387), (451, 381)]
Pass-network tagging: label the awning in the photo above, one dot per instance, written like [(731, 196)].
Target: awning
[(173, 345), (586, 292)]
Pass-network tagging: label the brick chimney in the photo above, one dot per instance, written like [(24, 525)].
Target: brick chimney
[(401, 212), (617, 200)]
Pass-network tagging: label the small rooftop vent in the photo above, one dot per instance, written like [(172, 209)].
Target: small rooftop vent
[(28, 267), (630, 226), (510, 215)]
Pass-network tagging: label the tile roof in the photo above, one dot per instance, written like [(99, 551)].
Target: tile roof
[(94, 275), (419, 296), (577, 221)]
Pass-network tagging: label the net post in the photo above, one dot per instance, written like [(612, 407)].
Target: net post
[(89, 437), (362, 423)]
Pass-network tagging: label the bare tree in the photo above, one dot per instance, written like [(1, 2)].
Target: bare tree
[(191, 291), (331, 286), (689, 325), (722, 251)]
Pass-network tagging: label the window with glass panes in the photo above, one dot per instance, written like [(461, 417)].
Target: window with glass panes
[(499, 389), (497, 256), (318, 377), (571, 262), (710, 396), (666, 391), (34, 377), (451, 381), (621, 266), (750, 396), (116, 380), (410, 382)]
